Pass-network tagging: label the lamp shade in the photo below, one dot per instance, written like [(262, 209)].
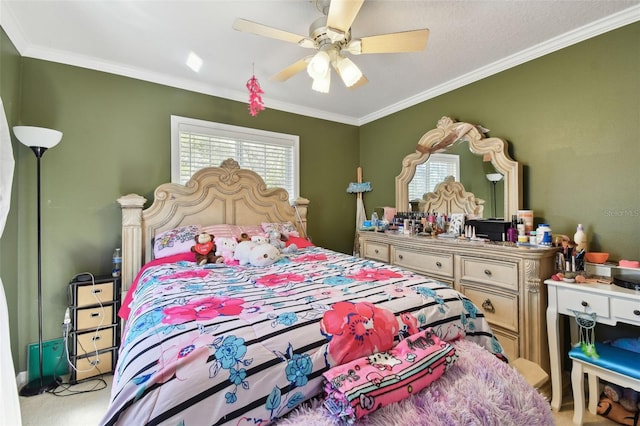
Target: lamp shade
[(37, 136), (494, 177), (319, 65), (322, 84), (349, 72)]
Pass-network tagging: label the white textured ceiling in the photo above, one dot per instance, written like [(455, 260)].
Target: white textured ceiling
[(151, 40)]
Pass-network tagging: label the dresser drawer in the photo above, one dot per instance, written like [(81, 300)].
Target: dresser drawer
[(502, 274), (510, 343), (423, 261), (94, 364), (627, 310), (500, 309), (83, 343), (93, 317), (376, 251), (86, 290), (576, 300)]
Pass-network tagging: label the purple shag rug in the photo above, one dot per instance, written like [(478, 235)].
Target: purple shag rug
[(478, 389)]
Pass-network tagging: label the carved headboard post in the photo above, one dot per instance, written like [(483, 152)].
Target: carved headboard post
[(131, 205)]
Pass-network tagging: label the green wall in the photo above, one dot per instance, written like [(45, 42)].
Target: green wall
[(9, 242), (571, 117), (117, 141)]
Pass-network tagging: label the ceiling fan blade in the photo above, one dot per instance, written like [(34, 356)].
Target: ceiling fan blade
[(291, 70), (407, 41), (263, 30), (342, 13)]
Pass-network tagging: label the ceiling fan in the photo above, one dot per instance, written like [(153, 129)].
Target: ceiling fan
[(330, 35)]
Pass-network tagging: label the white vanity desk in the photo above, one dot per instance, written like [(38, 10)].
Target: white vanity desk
[(611, 303)]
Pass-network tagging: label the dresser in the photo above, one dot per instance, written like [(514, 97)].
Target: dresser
[(610, 304), (95, 327), (505, 281)]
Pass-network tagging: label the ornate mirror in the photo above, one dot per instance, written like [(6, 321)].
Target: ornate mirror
[(450, 133)]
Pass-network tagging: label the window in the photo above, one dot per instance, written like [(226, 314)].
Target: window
[(196, 144), (432, 172)]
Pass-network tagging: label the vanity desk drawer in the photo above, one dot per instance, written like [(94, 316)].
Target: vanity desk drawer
[(495, 273), (570, 300), (500, 309), (423, 261), (626, 310), (376, 251)]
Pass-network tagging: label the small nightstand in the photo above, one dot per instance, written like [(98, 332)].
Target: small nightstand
[(95, 331)]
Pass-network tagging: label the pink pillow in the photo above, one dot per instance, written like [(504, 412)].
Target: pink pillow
[(174, 241), (232, 231), (299, 242), (344, 327)]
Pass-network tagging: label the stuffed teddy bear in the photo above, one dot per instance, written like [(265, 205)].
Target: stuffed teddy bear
[(278, 240), (225, 247), (249, 252), (205, 249)]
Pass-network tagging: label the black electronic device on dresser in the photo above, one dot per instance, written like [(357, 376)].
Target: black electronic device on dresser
[(95, 326)]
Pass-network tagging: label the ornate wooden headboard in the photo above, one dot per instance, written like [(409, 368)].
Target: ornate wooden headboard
[(213, 195), (450, 197)]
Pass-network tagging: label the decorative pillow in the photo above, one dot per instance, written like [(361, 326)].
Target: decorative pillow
[(174, 241), (222, 230), (285, 228), (356, 330), (232, 231), (299, 242), (365, 384)]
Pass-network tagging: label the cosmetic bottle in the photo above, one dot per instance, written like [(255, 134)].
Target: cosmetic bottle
[(512, 231), (580, 238)]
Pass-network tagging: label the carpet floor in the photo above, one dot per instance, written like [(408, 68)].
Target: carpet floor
[(84, 407)]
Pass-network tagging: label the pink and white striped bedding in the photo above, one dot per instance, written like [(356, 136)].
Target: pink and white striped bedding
[(240, 345)]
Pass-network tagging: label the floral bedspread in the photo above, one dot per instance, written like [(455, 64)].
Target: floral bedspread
[(240, 345)]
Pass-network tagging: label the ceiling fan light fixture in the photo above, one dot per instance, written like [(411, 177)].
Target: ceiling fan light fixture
[(319, 65), (349, 72), (322, 84), (354, 47)]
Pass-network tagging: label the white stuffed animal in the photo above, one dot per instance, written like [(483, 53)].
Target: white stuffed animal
[(249, 252), (225, 247)]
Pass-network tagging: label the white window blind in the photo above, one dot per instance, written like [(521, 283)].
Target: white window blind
[(432, 172), (196, 144)]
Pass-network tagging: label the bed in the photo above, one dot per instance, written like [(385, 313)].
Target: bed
[(230, 344)]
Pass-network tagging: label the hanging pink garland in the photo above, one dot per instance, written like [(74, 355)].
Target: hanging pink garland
[(255, 100)]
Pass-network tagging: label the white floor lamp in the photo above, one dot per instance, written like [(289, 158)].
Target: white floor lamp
[(39, 140)]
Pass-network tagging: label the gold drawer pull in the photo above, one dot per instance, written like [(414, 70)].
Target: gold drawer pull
[(488, 306), (636, 312), (585, 304), (376, 251), (439, 264), (487, 272), (400, 257)]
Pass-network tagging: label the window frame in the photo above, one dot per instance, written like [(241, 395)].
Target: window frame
[(181, 124), (438, 157)]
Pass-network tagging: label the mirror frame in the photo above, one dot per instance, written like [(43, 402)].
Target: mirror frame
[(495, 148)]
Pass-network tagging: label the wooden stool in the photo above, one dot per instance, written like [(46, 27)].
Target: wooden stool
[(532, 372), (614, 365)]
